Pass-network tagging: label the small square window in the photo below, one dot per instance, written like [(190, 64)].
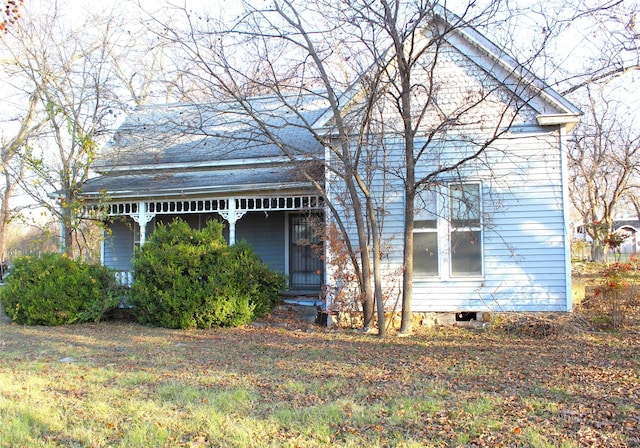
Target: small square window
[(425, 253), (466, 253), (465, 205)]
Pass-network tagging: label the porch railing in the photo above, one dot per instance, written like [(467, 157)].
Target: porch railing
[(124, 278)]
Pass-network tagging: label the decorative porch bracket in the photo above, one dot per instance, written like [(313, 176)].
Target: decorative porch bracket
[(231, 209), (232, 215), (142, 217)]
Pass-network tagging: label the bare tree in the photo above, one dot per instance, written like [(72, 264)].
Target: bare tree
[(575, 44), (604, 162), (12, 166), (602, 151), (416, 94), (240, 62), (65, 65), (606, 39), (292, 50), (146, 66), (82, 75)]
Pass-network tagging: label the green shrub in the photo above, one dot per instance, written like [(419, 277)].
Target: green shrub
[(186, 278), (55, 290)]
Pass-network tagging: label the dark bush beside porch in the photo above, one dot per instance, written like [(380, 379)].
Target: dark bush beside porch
[(187, 278)]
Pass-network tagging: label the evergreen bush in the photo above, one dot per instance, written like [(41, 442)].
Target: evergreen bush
[(53, 289), (187, 278)]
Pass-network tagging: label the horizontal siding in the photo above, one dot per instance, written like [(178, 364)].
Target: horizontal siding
[(265, 234), (118, 246), (523, 238), (535, 254), (524, 294)]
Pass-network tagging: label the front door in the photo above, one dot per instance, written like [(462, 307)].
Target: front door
[(306, 269)]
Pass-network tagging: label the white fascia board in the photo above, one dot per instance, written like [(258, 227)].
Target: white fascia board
[(566, 120)]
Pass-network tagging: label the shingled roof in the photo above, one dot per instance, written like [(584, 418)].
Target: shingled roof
[(180, 149)]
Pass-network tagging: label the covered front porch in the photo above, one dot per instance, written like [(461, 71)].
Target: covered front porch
[(283, 230)]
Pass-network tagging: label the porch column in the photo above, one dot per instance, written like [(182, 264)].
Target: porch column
[(142, 218), (231, 215)]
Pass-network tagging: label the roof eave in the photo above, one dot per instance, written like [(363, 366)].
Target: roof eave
[(568, 121), (199, 191)]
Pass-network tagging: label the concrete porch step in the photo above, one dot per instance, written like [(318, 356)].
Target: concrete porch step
[(291, 316), (306, 313)]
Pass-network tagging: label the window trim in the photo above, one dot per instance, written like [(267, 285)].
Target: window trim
[(444, 230), (435, 231), (472, 228)]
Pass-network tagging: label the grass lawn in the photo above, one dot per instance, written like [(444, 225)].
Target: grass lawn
[(117, 384)]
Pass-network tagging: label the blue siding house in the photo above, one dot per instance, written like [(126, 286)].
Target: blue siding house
[(491, 235)]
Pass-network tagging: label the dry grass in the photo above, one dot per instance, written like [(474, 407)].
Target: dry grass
[(120, 384)]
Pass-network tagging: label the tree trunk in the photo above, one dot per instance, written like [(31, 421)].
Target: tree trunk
[(409, 207), (598, 251), (377, 274), (5, 215), (66, 227), (365, 259), (407, 278)]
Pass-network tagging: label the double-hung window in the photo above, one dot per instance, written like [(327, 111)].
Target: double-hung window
[(447, 235), (465, 230), (425, 235)]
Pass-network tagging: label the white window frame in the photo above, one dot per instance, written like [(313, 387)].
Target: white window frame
[(444, 229), (432, 216), (451, 229)]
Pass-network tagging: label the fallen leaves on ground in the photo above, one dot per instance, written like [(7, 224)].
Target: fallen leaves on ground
[(444, 387)]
